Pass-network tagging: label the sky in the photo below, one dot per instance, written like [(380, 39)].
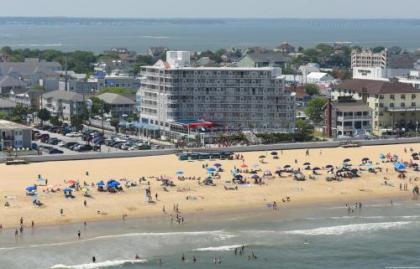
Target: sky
[(213, 8)]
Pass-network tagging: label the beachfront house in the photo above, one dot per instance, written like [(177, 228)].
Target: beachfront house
[(119, 104), (63, 103), (347, 117), (14, 135), (395, 106)]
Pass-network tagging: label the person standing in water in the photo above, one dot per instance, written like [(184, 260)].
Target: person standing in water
[(94, 259)]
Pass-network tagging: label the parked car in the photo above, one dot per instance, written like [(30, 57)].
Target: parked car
[(54, 141), (84, 148), (44, 137), (55, 151), (73, 134), (70, 144)]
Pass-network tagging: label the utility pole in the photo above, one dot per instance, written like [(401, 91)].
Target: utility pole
[(65, 74)]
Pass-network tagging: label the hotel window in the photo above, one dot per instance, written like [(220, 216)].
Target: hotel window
[(391, 105), (413, 96), (402, 104), (392, 96), (413, 104), (402, 96), (381, 96)]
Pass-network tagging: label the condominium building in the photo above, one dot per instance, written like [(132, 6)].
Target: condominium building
[(173, 94), (395, 106), (368, 58)]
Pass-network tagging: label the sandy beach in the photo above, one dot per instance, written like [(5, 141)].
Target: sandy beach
[(201, 199)]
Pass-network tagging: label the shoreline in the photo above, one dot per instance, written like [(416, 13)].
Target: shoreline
[(217, 215)]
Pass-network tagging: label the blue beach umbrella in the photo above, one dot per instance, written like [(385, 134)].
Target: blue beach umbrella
[(100, 183), (68, 190), (31, 188), (179, 173), (211, 169), (399, 166)]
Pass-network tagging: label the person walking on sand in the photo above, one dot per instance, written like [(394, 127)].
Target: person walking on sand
[(85, 203), (61, 211), (79, 235), (93, 259)]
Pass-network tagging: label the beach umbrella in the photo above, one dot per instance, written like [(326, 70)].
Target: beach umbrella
[(31, 188), (244, 166), (346, 160), (382, 156), (399, 166), (68, 190), (307, 163), (211, 169), (415, 154), (255, 166), (274, 153), (287, 166), (365, 159), (179, 173), (328, 166), (415, 164), (262, 157), (71, 181), (217, 165), (316, 168), (100, 183), (255, 176)]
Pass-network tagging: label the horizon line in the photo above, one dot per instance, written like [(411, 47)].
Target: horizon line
[(207, 18)]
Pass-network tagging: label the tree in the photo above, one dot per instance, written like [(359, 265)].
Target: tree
[(99, 107), (118, 90), (314, 109), (19, 113), (312, 89), (44, 115), (115, 123), (54, 120), (378, 49), (77, 122), (304, 131)]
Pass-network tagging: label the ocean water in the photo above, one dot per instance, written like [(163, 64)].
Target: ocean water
[(200, 34), (380, 235)]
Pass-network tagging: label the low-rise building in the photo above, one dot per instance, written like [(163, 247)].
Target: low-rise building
[(347, 117), (63, 103), (6, 106), (264, 59), (395, 105), (120, 105), (319, 77), (14, 135)]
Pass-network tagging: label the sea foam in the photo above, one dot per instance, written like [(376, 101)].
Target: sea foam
[(351, 228), (104, 264), (219, 248)]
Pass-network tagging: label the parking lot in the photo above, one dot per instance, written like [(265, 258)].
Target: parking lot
[(59, 140)]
